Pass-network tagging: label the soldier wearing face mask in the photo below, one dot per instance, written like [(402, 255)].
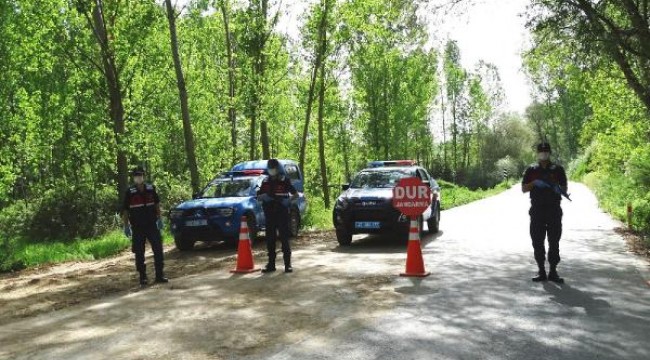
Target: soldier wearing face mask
[(546, 182), (276, 193), (142, 222)]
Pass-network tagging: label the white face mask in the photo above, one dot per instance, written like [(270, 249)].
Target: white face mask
[(543, 156), (138, 180), (273, 172)]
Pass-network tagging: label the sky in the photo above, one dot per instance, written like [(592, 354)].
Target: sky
[(494, 31), (489, 30)]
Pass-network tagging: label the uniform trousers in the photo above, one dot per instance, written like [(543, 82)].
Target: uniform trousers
[(546, 222)]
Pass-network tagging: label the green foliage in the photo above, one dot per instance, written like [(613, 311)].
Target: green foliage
[(638, 166), (592, 101), (16, 254), (8, 258), (62, 213), (317, 216), (453, 195), (616, 191), (77, 250)]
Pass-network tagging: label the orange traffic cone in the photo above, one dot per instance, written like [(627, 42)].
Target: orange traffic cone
[(244, 251), (414, 261)]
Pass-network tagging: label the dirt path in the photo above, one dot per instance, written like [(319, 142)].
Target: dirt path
[(205, 312), (31, 292)]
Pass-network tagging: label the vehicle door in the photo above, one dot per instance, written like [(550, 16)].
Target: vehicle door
[(422, 174), (292, 171)]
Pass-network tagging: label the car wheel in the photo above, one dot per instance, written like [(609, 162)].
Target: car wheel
[(343, 237), (294, 222), (183, 244), (251, 223), (434, 221)]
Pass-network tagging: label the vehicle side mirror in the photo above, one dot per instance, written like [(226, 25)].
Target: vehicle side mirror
[(345, 187)]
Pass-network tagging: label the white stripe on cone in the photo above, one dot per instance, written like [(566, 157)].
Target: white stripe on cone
[(414, 235), (243, 235)]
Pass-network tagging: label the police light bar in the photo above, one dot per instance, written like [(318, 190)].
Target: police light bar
[(381, 163), (253, 172)]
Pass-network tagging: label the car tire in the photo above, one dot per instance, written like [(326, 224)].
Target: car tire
[(251, 223), (183, 244), (434, 222), (294, 222), (343, 237)]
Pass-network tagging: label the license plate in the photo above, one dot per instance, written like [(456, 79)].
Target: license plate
[(200, 222), (367, 224)]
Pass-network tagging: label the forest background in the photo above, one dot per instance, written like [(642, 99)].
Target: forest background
[(90, 89)]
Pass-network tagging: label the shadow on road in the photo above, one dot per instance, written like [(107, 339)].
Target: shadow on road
[(381, 243), (569, 296)]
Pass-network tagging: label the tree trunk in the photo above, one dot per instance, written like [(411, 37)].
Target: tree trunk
[(182, 92), (116, 107), (444, 132), (259, 68), (318, 59), (321, 140), (264, 132), (454, 135), (232, 115), (252, 151)]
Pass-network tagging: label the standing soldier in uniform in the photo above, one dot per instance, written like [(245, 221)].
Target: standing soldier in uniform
[(545, 181), (276, 193), (141, 217)]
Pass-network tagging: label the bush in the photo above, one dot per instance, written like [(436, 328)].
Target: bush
[(453, 195), (8, 260), (73, 212), (172, 191), (65, 213), (638, 166), (15, 219), (317, 215), (615, 191)]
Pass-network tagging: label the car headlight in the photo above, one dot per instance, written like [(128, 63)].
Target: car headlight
[(175, 214), (341, 203)]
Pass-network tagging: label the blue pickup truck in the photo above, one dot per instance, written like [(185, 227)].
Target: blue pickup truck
[(215, 213)]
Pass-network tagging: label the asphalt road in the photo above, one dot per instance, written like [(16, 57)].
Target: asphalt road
[(479, 302), (350, 303)]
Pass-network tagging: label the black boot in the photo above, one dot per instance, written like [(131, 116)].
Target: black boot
[(143, 278), (287, 263), (270, 266), (160, 277), (554, 277), (541, 275)]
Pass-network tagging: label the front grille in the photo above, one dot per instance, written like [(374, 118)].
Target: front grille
[(211, 233), (384, 214), (221, 211), (196, 212)]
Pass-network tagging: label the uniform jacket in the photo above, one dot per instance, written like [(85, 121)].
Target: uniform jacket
[(278, 188), (553, 174), (141, 205)]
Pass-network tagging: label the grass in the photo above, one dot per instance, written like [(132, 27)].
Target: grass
[(16, 254), (454, 195)]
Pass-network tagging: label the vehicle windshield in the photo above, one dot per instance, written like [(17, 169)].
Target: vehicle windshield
[(228, 188), (379, 179)]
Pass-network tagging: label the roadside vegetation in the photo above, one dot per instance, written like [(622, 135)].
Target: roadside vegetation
[(592, 100)]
